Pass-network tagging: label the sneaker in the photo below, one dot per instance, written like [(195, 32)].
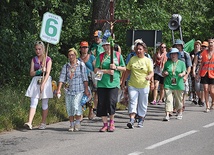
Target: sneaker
[(153, 102), (195, 102), (166, 118), (207, 110), (71, 129), (140, 124), (77, 127), (136, 118), (104, 129), (201, 104), (28, 126), (190, 97), (42, 126), (199, 101), (111, 128), (130, 125), (179, 117)]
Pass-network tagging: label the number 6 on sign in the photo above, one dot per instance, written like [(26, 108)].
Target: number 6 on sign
[(51, 28)]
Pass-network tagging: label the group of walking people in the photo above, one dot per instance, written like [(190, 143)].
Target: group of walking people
[(168, 72), (185, 74)]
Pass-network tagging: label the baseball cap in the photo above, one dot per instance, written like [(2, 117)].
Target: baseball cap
[(84, 44), (178, 42), (205, 43), (98, 33)]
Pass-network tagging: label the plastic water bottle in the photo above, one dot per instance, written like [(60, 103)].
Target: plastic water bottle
[(58, 95)]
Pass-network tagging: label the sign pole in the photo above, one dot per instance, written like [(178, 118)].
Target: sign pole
[(50, 33)]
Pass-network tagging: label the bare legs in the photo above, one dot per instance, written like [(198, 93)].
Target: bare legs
[(31, 115), (206, 95), (155, 91), (32, 111), (44, 115)]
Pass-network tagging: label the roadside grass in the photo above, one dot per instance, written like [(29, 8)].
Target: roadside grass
[(14, 109)]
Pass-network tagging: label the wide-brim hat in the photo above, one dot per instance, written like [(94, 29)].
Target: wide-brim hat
[(174, 50), (197, 42)]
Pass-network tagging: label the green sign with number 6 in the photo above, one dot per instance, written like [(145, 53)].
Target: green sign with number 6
[(51, 28)]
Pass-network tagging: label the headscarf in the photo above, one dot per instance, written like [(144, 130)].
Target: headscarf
[(161, 58)]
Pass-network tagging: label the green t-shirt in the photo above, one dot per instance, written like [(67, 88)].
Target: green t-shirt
[(105, 81), (140, 68), (96, 49), (176, 67)]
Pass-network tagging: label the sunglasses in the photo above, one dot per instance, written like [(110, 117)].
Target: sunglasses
[(39, 43), (163, 47), (84, 47)]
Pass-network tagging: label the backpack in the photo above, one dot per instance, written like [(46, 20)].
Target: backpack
[(185, 58), (117, 54)]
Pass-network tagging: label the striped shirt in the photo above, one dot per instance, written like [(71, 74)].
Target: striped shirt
[(76, 82)]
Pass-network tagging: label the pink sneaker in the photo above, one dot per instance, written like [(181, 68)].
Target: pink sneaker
[(153, 102), (111, 128), (104, 129)]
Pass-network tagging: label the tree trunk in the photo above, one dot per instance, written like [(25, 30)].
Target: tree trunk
[(100, 11)]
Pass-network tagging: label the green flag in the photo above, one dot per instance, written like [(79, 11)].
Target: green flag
[(189, 46)]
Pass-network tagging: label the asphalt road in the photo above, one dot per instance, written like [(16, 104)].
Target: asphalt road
[(193, 135)]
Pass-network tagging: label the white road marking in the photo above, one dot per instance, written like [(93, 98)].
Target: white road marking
[(171, 139), (135, 153), (208, 125)]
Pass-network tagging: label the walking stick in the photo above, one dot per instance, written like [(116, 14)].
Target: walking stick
[(44, 69)]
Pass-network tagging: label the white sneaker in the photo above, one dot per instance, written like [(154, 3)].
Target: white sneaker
[(42, 126), (28, 126), (207, 110), (179, 117), (77, 127), (71, 129), (166, 118)]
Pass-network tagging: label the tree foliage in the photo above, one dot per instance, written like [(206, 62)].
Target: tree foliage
[(21, 23)]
